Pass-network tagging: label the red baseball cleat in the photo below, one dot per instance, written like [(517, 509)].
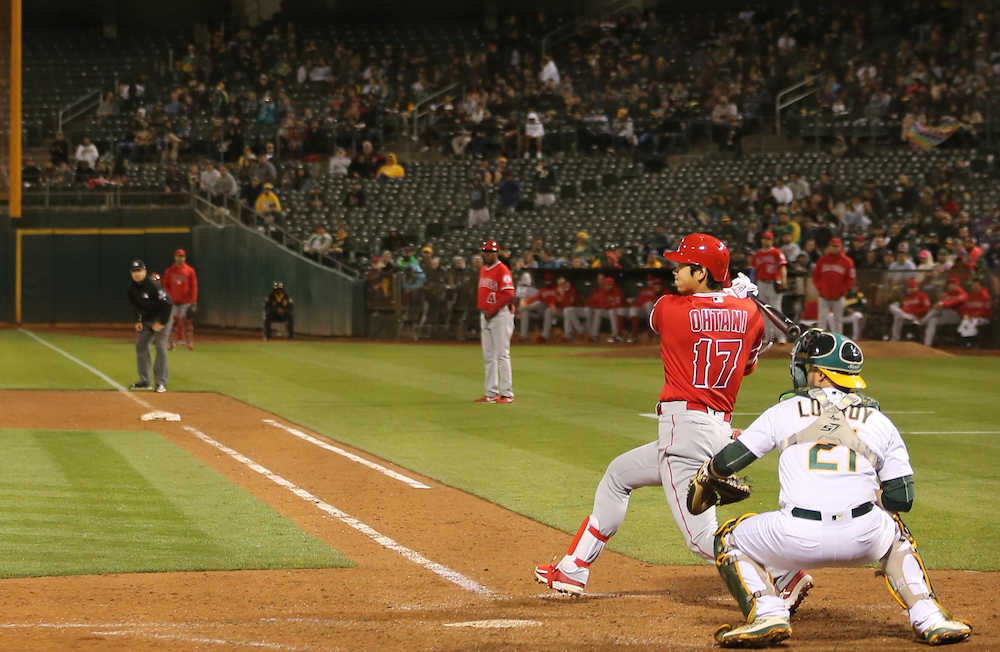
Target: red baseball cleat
[(486, 399), (505, 399), (795, 591), (550, 575)]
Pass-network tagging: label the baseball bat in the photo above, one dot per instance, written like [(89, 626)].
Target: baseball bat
[(778, 318)]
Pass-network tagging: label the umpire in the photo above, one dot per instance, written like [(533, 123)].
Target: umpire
[(152, 308)]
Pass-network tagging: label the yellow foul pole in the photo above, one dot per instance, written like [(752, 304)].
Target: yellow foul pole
[(14, 164)]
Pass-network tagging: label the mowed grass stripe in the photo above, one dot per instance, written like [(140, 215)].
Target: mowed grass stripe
[(130, 502), (544, 455)]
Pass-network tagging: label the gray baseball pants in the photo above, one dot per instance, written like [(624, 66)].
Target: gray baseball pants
[(142, 341)]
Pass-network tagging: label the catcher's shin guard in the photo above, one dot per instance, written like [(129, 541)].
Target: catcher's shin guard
[(907, 580), (745, 578), (903, 569)]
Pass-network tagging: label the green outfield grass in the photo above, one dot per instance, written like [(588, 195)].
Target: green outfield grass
[(77, 501), (544, 455)]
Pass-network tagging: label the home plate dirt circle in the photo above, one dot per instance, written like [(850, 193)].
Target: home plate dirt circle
[(497, 623)]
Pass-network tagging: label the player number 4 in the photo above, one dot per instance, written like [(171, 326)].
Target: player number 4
[(715, 361)]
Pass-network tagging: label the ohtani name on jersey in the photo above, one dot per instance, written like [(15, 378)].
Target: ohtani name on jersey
[(725, 320), (488, 283)]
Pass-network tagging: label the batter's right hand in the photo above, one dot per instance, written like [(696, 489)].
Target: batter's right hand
[(138, 327)]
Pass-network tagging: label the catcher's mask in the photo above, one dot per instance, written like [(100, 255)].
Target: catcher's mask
[(838, 357)]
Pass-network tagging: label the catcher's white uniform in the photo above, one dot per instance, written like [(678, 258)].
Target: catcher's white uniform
[(828, 512)]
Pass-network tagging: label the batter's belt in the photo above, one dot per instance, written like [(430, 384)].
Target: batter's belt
[(673, 407)]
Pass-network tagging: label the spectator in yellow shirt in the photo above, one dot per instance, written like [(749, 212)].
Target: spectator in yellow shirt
[(391, 170), (267, 201)]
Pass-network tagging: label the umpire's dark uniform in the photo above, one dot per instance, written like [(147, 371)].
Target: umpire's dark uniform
[(152, 306), (279, 307)]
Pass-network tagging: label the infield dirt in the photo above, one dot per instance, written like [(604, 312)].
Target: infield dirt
[(388, 601)]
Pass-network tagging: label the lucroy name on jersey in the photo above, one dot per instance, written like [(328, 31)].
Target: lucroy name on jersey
[(718, 320)]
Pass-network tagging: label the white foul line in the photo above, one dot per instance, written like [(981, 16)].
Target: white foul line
[(386, 542), (953, 432), (452, 576), (351, 456), (100, 374)]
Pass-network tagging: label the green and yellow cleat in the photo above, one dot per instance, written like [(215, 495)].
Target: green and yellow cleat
[(762, 632), (947, 631)]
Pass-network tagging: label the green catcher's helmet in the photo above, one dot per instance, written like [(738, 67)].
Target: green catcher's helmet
[(838, 357)]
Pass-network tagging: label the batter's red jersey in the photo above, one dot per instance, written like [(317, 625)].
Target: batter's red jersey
[(496, 288), (833, 275), (181, 283), (916, 303), (708, 342), (767, 263), (977, 304)]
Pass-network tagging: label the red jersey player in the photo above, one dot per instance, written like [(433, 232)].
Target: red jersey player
[(642, 305), (496, 320), (181, 283), (914, 305), (709, 339), (770, 270)]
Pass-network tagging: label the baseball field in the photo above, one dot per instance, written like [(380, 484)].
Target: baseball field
[(328, 495)]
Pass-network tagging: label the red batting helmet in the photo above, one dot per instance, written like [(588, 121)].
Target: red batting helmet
[(705, 250), (491, 245)]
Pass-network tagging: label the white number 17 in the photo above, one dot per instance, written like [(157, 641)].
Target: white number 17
[(715, 359)]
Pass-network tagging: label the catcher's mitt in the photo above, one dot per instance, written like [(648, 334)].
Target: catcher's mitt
[(706, 489)]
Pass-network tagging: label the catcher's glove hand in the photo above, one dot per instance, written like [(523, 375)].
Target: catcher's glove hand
[(706, 489)]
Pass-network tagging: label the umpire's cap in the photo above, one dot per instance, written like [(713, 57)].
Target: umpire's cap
[(491, 245), (137, 264)]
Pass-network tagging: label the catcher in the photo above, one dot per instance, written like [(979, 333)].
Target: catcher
[(845, 475)]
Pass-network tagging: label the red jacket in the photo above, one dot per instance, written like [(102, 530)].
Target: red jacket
[(954, 300), (916, 303), (566, 299), (548, 295), (647, 294), (181, 283), (833, 275), (978, 304), (767, 263), (496, 288), (604, 298)]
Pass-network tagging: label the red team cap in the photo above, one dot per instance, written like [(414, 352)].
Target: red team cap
[(836, 242), (180, 252), (705, 250), (491, 245), (912, 283), (767, 235)]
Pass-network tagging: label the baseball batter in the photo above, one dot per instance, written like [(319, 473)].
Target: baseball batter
[(496, 323), (771, 276), (837, 451), (709, 340), (181, 283)]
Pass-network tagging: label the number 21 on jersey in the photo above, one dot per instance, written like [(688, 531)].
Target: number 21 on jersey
[(816, 464), (715, 361)]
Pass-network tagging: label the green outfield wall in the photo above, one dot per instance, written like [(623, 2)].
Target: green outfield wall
[(237, 268)]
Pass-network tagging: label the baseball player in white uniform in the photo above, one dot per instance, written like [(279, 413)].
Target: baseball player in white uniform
[(496, 320), (845, 474)]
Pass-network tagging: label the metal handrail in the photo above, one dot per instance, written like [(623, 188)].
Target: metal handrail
[(427, 100), (233, 213), (78, 107), (780, 105)]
